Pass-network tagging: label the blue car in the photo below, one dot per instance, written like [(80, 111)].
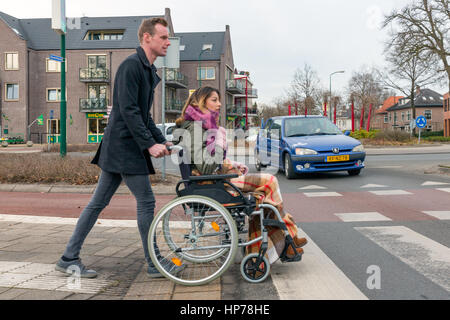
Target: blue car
[(306, 144)]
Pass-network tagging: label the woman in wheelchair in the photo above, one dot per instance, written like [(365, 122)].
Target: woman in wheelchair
[(208, 157)]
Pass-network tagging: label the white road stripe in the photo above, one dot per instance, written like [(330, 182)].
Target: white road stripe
[(68, 221), (426, 256), (374, 186), (390, 192), (312, 187), (362, 216), (433, 183), (322, 194), (73, 221), (315, 277), (444, 189), (441, 215)]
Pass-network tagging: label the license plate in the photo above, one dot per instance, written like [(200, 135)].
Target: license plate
[(338, 158)]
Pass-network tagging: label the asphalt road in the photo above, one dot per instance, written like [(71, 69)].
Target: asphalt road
[(391, 222)]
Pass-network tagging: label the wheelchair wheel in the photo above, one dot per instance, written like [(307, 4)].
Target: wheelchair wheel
[(196, 232), (252, 271)]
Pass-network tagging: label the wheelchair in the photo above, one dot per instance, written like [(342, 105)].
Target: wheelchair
[(204, 227)]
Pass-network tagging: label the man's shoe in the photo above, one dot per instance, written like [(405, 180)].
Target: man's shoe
[(76, 268), (152, 272)]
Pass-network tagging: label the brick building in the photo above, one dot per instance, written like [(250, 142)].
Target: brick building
[(381, 119), (95, 47), (427, 103)]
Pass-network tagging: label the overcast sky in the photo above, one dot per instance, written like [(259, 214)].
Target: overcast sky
[(270, 39)]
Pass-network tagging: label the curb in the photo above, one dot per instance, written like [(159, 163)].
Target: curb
[(40, 188)]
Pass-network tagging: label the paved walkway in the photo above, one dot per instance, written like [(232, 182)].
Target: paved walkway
[(31, 245)]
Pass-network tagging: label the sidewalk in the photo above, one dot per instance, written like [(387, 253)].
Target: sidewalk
[(30, 246)]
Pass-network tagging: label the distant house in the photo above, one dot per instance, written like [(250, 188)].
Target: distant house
[(381, 118), (427, 103), (344, 119), (447, 114)]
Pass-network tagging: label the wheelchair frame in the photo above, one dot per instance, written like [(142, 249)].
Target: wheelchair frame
[(238, 207)]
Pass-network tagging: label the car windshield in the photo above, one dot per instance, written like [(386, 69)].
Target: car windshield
[(309, 126)]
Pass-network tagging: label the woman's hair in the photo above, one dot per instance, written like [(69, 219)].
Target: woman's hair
[(198, 100)]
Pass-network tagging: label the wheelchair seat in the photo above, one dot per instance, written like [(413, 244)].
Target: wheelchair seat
[(213, 186)]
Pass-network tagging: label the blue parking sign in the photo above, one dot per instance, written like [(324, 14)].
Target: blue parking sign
[(421, 122)]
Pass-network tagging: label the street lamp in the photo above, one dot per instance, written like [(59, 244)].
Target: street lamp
[(330, 87), (199, 70)]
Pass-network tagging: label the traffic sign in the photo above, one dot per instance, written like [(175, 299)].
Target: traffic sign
[(56, 58), (421, 122), (51, 114)]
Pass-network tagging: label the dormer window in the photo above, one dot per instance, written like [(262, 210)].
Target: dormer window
[(207, 47), (104, 35)]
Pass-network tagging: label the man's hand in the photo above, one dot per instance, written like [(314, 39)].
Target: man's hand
[(158, 151)]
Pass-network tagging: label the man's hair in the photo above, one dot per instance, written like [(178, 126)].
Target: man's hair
[(148, 26)]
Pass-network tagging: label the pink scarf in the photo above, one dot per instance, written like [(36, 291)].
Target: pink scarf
[(216, 134)]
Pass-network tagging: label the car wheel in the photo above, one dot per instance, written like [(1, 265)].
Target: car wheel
[(354, 172), (288, 169)]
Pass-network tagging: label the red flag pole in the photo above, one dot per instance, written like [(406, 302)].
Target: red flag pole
[(289, 109), (296, 109), (325, 110), (306, 110), (335, 107), (353, 116), (362, 119), (368, 120)]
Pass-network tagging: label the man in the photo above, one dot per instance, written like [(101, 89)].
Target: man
[(130, 138)]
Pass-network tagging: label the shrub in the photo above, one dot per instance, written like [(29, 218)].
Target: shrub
[(437, 139), (393, 135), (424, 134), (363, 134), (50, 168)]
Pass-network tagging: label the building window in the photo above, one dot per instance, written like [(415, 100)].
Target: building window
[(11, 61), (386, 120), (395, 117), (206, 73), (104, 35), (207, 47), (53, 66), (427, 114), (390, 117), (54, 95), (97, 62), (11, 92), (409, 115), (403, 116)]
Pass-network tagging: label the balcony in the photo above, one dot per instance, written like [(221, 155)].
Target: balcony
[(173, 105), (232, 109), (176, 79), (235, 87), (94, 75), (251, 94), (93, 105)]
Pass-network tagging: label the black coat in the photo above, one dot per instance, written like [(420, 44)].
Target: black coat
[(131, 129)]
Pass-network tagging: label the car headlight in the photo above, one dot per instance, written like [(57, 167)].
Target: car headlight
[(304, 152), (359, 148)]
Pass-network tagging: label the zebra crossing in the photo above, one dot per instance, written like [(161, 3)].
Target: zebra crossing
[(340, 267)]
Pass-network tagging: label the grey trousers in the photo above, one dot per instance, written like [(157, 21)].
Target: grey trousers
[(108, 183)]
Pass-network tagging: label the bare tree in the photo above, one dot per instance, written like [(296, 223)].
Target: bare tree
[(409, 68), (305, 90), (424, 26), (365, 88)]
